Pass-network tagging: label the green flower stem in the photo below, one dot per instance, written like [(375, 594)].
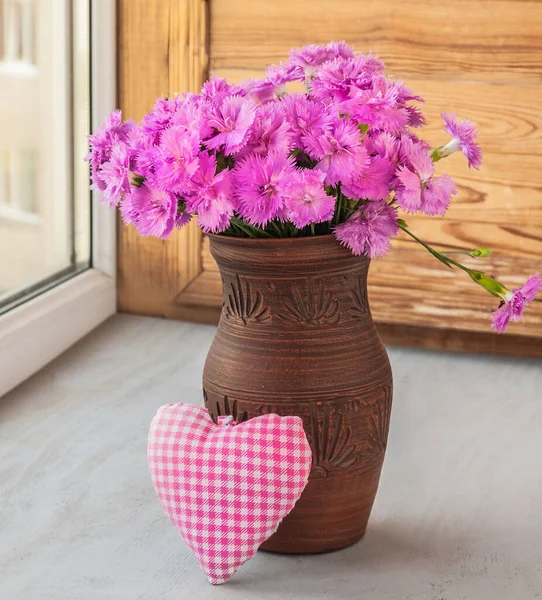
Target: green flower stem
[(491, 285), (475, 253), (276, 227), (443, 259), (250, 230), (338, 208)]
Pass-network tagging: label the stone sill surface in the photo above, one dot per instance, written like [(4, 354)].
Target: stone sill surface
[(458, 515)]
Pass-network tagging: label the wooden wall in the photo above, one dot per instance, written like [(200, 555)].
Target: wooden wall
[(481, 59)]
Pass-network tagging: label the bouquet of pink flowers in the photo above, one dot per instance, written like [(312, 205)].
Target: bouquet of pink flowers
[(255, 160)]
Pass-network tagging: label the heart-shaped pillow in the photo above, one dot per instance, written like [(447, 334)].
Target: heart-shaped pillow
[(226, 488)]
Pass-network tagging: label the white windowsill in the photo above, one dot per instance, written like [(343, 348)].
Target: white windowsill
[(34, 333), (16, 215), (18, 69), (457, 514)]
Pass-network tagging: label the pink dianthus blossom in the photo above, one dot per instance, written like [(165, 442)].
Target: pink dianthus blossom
[(369, 229), (464, 136), (419, 190), (371, 181), (260, 184), (334, 80), (377, 106), (306, 117), (217, 88), (307, 201), (155, 209), (270, 131), (312, 56), (178, 159), (212, 196), (115, 174), (159, 118), (231, 121), (515, 301), (111, 132), (338, 150)]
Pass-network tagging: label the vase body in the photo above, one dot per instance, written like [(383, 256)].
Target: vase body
[(296, 337)]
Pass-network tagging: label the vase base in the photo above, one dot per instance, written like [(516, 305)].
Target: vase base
[(308, 547)]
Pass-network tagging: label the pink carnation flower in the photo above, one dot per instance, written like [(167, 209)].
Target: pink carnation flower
[(115, 174), (404, 95), (371, 181), (178, 159), (334, 80), (514, 303), (182, 218), (155, 209), (232, 121), (261, 91), (217, 88), (338, 150), (419, 190), (147, 156), (312, 56), (212, 196), (270, 131), (377, 106), (369, 229), (463, 135), (111, 132), (307, 201), (284, 73), (384, 143), (260, 187), (306, 117), (192, 114), (159, 118)]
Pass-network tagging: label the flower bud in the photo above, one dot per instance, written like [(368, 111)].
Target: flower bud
[(480, 252), (490, 284)]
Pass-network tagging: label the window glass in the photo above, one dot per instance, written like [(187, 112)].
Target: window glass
[(44, 124)]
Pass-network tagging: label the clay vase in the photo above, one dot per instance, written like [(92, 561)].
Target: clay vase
[(296, 337)]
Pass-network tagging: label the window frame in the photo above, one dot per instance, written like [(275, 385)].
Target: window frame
[(37, 331)]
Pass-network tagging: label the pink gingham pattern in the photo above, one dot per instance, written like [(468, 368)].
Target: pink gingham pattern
[(226, 488)]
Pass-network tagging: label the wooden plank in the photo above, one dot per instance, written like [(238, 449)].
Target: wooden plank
[(453, 340), (491, 40), (407, 288), (173, 58), (524, 241)]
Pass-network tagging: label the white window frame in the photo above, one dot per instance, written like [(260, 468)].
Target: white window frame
[(36, 332)]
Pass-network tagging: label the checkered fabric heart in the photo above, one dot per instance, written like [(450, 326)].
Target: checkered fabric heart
[(226, 488)]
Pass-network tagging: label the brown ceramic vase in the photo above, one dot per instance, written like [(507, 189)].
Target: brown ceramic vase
[(296, 337)]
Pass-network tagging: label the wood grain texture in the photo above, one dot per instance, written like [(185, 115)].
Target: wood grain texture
[(483, 40), (174, 58), (296, 337)]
